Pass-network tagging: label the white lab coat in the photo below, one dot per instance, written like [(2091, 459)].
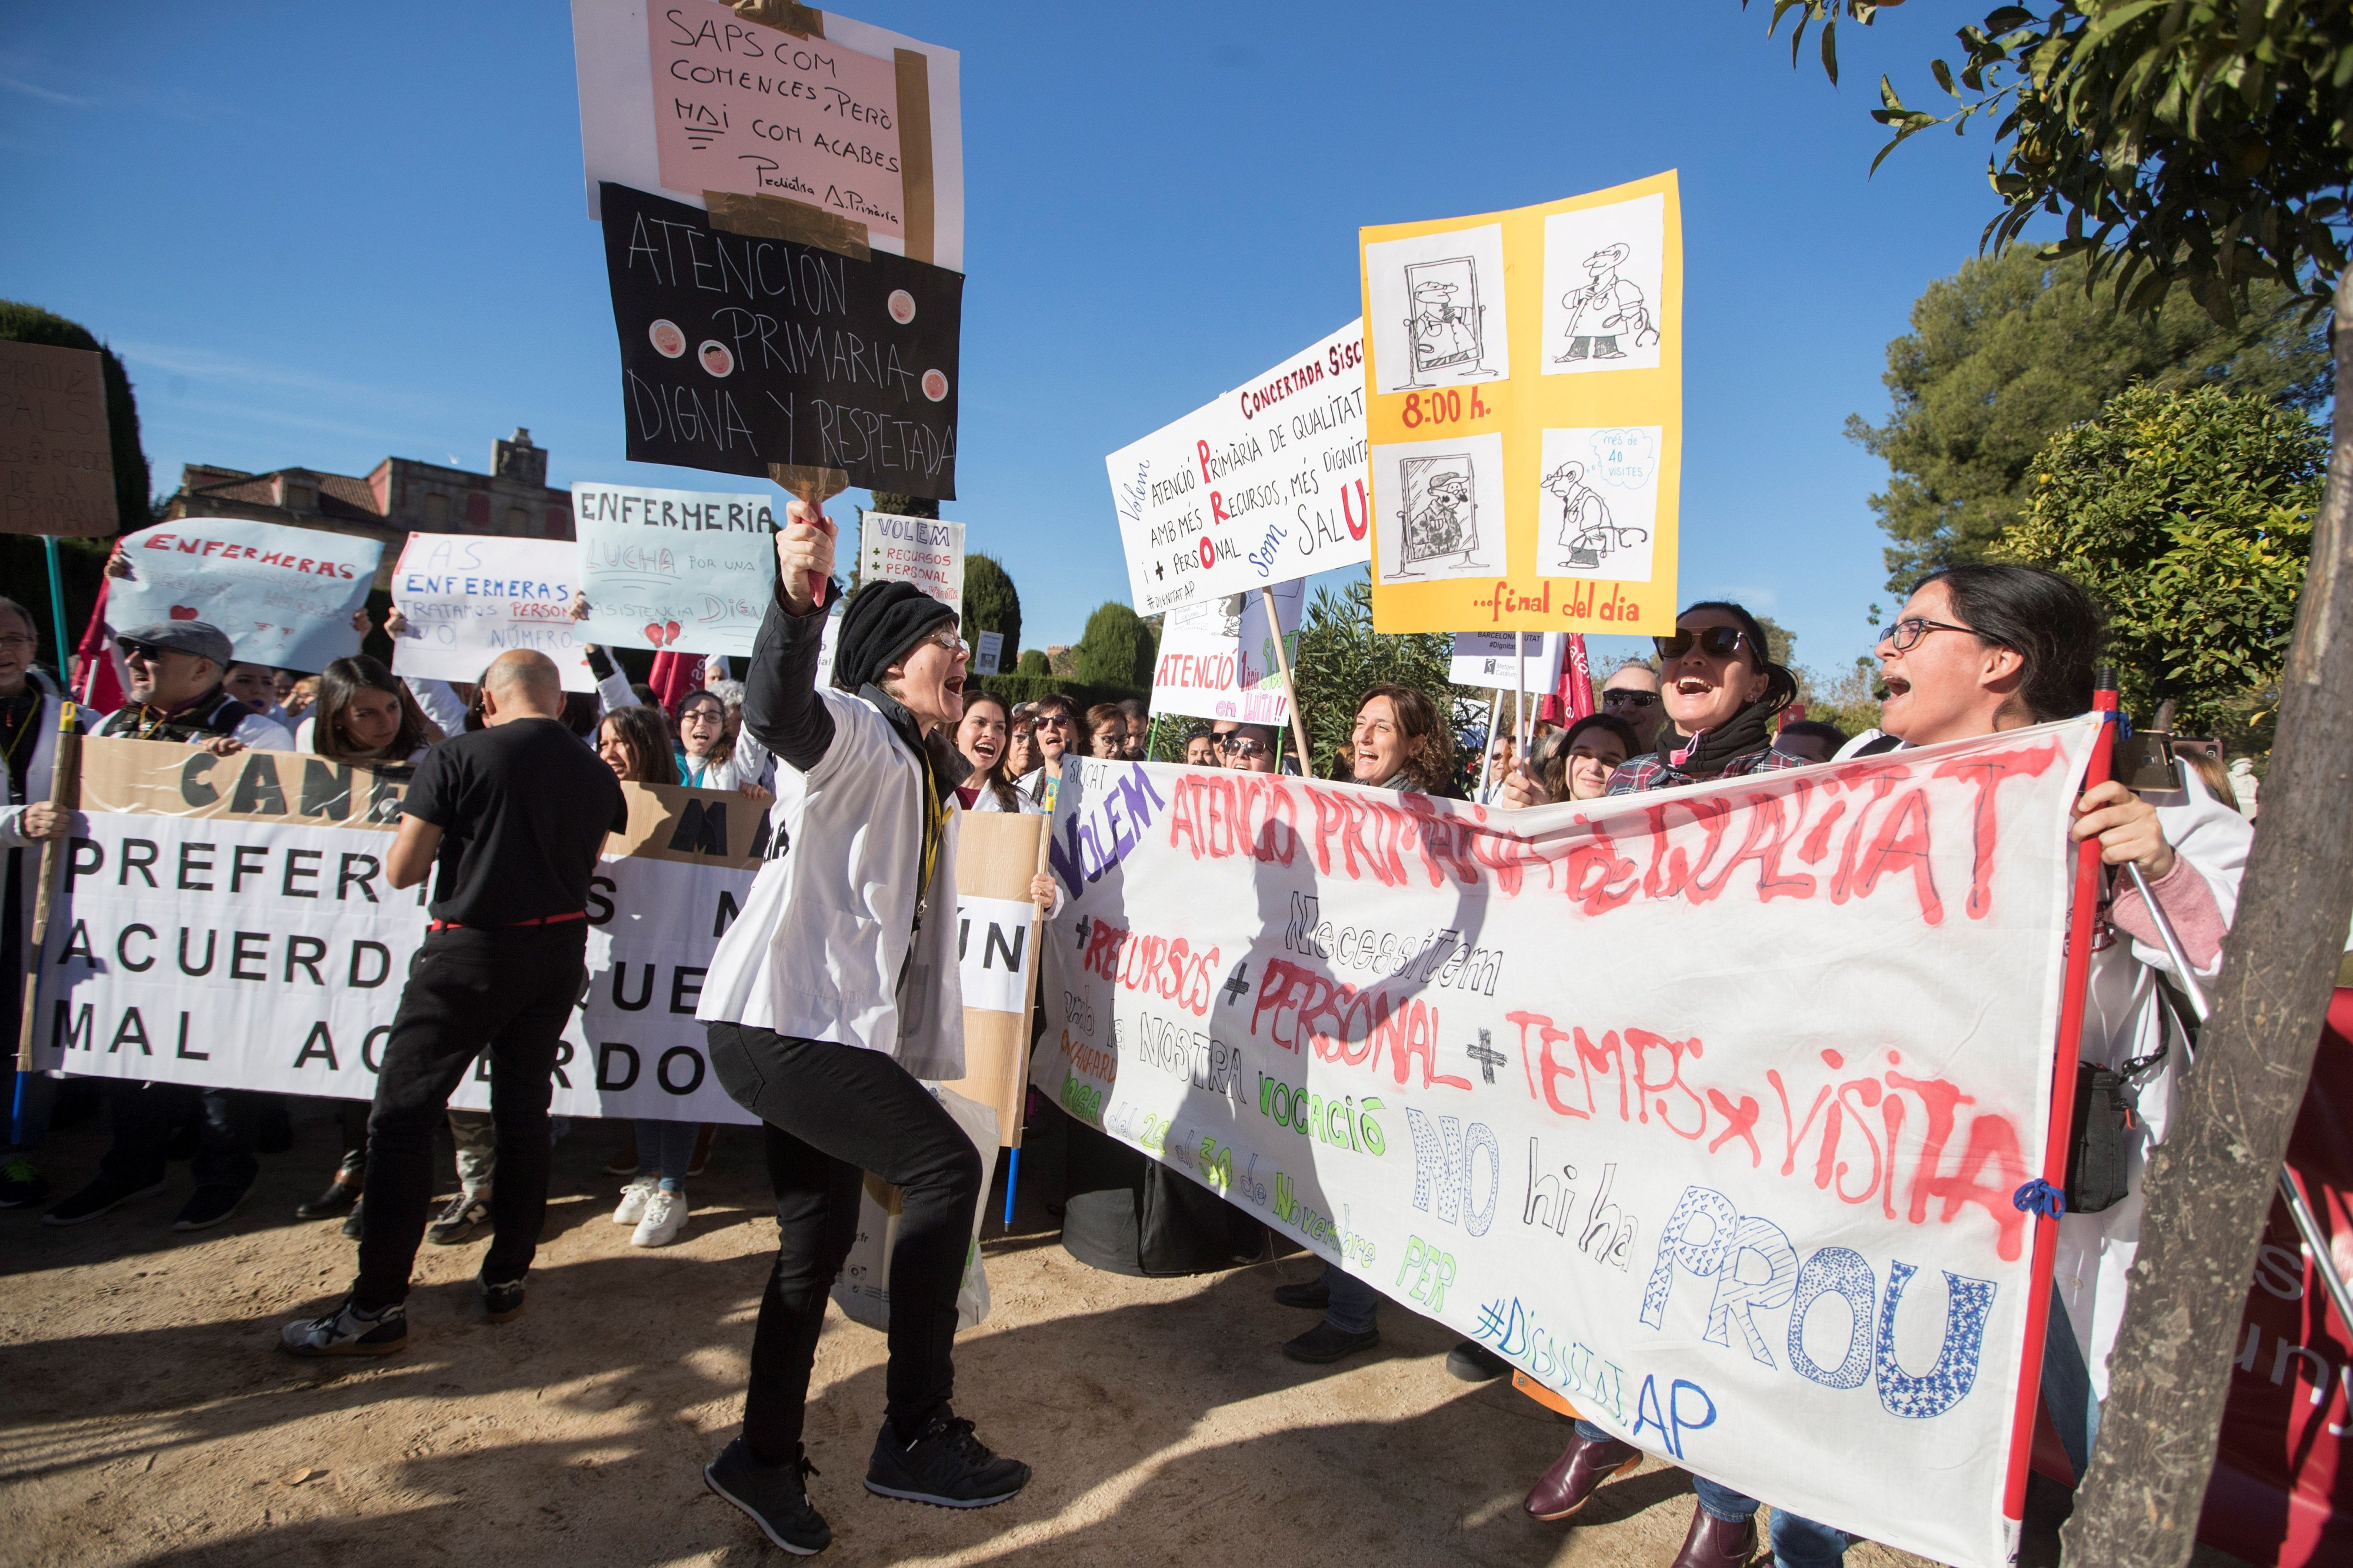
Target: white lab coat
[(37, 773)]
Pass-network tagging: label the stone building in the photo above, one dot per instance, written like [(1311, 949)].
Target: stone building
[(399, 497)]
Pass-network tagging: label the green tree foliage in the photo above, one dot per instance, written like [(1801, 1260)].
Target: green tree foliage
[(2190, 515), (1116, 650), (2010, 351), (2203, 142), (899, 505), (1340, 655), (991, 603), (1033, 662), (24, 323)]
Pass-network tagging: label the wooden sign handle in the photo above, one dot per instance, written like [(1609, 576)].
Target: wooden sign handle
[(812, 487), (65, 794)]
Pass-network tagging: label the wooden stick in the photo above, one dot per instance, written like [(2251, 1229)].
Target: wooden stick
[(1291, 686), (65, 794), (812, 487)]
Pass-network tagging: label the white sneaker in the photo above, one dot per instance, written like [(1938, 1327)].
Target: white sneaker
[(665, 1218), (633, 1200)]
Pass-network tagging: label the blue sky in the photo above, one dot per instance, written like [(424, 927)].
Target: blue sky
[(320, 234)]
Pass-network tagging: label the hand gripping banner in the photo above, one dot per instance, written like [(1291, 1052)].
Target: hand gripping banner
[(1706, 1108)]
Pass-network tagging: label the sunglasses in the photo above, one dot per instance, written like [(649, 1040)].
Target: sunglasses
[(1717, 642), (1053, 721), (1627, 697), (149, 651), (1247, 748)]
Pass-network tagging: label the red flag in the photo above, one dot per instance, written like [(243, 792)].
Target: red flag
[(1571, 698), (99, 690), (675, 675)]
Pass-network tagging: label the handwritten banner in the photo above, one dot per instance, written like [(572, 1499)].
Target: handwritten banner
[(284, 595), (1526, 415), (1263, 485), (1217, 659), (1704, 1108), (738, 353), (56, 460), (469, 599), (923, 550), (674, 569)]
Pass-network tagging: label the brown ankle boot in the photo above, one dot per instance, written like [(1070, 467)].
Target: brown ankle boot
[(1577, 1474), (1714, 1542)]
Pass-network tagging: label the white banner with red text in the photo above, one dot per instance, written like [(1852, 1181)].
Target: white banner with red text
[(1706, 1108)]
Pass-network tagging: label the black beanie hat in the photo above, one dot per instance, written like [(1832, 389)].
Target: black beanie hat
[(881, 622)]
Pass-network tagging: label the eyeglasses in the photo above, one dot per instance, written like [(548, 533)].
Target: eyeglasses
[(1630, 697), (1905, 635), (1717, 642), (948, 638), (1053, 720), (149, 651)]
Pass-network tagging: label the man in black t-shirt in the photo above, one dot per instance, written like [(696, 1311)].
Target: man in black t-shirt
[(511, 817)]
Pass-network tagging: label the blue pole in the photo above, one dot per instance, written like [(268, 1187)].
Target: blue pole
[(1012, 1175), (57, 610)]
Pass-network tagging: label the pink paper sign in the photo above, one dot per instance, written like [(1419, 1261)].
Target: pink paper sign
[(747, 109)]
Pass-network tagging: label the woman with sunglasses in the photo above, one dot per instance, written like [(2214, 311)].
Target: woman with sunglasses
[(1720, 690), (1057, 731)]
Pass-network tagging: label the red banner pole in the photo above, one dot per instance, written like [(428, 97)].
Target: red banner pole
[(2081, 918)]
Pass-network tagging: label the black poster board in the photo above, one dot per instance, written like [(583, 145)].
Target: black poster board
[(738, 353)]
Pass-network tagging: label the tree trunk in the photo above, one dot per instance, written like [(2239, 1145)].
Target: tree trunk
[(2210, 1185)]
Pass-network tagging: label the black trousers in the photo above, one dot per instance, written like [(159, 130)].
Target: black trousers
[(510, 991), (833, 1112), (144, 1115)]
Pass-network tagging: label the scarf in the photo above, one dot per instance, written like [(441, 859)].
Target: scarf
[(1705, 754)]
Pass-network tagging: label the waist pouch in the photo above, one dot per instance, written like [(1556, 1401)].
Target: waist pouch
[(2106, 1113)]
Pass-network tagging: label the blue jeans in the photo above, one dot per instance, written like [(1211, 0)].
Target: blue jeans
[(671, 1144), (1354, 1305), (1798, 1542)]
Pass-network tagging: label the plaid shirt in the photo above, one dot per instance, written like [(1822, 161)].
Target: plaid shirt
[(1648, 772)]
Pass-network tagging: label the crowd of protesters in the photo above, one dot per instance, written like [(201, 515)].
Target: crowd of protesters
[(862, 763)]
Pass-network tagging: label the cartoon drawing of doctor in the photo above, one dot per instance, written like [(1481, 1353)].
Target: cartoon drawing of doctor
[(1606, 309)]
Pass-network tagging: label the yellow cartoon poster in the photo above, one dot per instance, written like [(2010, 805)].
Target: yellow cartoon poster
[(1524, 373)]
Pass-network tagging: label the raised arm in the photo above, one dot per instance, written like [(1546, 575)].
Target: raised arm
[(781, 707)]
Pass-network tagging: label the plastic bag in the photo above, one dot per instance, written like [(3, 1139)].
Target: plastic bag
[(863, 1288)]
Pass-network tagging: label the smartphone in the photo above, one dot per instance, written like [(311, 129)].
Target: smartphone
[(2147, 767)]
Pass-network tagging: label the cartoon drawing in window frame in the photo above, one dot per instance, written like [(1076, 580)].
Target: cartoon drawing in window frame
[(1440, 513), (1442, 334)]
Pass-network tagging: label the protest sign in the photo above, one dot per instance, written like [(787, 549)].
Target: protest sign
[(1525, 371), (674, 569), (739, 352), (1490, 660), (923, 550), (1262, 485), (469, 599), (692, 98), (1217, 658), (989, 657), (996, 854), (1705, 1109), (284, 595), (56, 460)]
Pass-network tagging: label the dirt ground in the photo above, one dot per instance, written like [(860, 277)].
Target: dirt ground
[(145, 1417)]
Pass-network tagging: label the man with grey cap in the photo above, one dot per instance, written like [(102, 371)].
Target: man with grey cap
[(831, 997), (173, 671)]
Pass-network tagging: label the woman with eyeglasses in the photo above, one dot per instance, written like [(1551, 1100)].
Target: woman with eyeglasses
[(1107, 731), (1720, 690), (981, 736), (708, 758)]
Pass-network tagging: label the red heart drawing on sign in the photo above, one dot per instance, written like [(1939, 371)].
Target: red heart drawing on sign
[(670, 633), (654, 633), (184, 613)]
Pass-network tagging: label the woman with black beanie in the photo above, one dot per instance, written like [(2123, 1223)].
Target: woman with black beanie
[(828, 998)]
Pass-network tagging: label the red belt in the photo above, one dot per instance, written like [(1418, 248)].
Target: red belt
[(519, 925)]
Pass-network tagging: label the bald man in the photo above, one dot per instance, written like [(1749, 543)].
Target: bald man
[(510, 818)]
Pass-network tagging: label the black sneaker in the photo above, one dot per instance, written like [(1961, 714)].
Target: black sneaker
[(340, 1195), (466, 1217), (208, 1207), (1474, 1363), (775, 1496), (1324, 1344), (347, 1330), (946, 1466), (97, 1198), (351, 1222), (20, 1185), (501, 1302)]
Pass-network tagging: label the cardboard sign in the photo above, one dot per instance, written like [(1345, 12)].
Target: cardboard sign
[(923, 550), (674, 569), (860, 124), (988, 658), (1217, 659), (1489, 659), (1526, 370), (56, 465), (740, 353), (284, 595), (1261, 486), (1561, 1079), (469, 599), (996, 854)]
